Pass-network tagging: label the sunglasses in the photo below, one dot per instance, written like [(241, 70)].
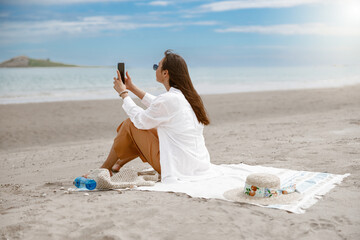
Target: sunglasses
[(155, 67)]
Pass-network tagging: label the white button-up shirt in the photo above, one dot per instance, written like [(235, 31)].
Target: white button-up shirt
[(183, 154)]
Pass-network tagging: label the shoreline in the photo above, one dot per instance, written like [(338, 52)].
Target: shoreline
[(133, 96)]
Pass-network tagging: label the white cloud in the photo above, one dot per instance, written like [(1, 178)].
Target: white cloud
[(205, 23), (57, 2), (86, 26), (105, 19), (159, 3), (246, 4), (295, 29)]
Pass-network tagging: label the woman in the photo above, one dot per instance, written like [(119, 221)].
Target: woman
[(169, 133)]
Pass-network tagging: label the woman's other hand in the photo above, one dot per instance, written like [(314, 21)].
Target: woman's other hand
[(128, 82)]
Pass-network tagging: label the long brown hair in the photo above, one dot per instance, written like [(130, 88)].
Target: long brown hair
[(179, 78)]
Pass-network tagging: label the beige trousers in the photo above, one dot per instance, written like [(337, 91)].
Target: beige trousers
[(131, 143)]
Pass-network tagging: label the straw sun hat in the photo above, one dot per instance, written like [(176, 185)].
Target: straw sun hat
[(263, 189)]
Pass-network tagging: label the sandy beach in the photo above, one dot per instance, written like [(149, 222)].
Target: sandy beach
[(44, 146)]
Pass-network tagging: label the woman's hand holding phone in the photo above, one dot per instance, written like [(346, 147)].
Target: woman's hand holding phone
[(119, 86)]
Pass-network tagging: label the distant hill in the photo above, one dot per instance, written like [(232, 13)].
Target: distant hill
[(24, 61)]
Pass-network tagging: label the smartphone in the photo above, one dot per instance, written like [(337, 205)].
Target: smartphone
[(121, 68)]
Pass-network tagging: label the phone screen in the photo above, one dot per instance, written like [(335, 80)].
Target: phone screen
[(121, 68)]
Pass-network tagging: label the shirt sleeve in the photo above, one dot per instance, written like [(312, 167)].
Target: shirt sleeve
[(147, 99), (152, 117)]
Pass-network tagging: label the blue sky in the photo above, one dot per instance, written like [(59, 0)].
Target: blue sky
[(205, 33)]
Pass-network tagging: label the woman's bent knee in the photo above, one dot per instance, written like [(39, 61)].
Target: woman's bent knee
[(126, 124)]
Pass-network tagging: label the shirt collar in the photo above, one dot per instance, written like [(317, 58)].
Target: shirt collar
[(172, 89)]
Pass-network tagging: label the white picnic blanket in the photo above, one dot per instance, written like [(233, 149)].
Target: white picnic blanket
[(312, 185)]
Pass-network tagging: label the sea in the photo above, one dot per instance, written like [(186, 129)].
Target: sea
[(53, 84)]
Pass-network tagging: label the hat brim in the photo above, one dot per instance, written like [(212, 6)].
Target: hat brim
[(238, 195)]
